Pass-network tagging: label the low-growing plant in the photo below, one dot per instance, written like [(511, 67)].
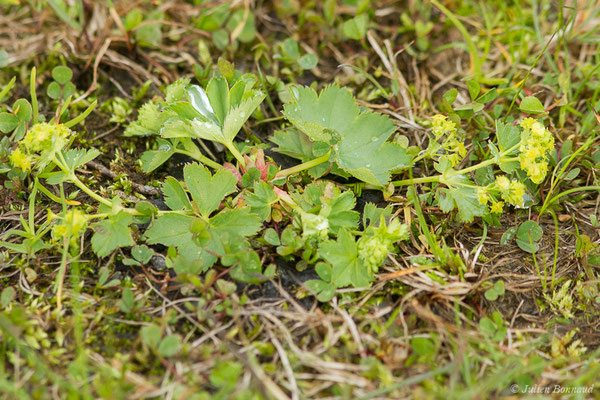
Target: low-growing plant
[(215, 216)]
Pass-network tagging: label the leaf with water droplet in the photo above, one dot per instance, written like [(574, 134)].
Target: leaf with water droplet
[(362, 147)]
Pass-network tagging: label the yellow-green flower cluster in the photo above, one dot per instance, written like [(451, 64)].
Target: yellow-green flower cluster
[(40, 144), (73, 221), (536, 143), (44, 136), (447, 144), (377, 242), (441, 126), (511, 191), (20, 160)]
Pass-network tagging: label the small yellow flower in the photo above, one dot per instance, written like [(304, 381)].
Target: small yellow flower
[(503, 183), (46, 137), (511, 191), (73, 221), (441, 126), (460, 149), (536, 143), (482, 195), (21, 160), (497, 207), (517, 192)]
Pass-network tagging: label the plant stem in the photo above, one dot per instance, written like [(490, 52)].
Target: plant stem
[(443, 177), (61, 163), (427, 179), (200, 157), (567, 192), (238, 156), (34, 102), (75, 180), (555, 249), (304, 166), (473, 52)]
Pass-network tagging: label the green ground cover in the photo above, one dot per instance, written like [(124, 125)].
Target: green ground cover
[(299, 199)]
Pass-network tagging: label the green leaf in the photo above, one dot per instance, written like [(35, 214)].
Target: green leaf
[(53, 90), (150, 34), (127, 302), (169, 346), (220, 38), (422, 346), (175, 196), (448, 99), (325, 291), (236, 93), (174, 230), (334, 109), (462, 197), (225, 374), (271, 237), (7, 296), (530, 229), (149, 121), (146, 209), (290, 48), (153, 159), (22, 109), (226, 69), (334, 116), (3, 58), (248, 269), (237, 222), (308, 61), (77, 158), (133, 19), (324, 271), (248, 31), (62, 74), (296, 144), (507, 134), (572, 174), (372, 214), (112, 233), (176, 91), (200, 102), (487, 326), (348, 268), (474, 89), (356, 28), (237, 116), (218, 95), (528, 234), (8, 122), (532, 105), (151, 335), (208, 191), (142, 253), (170, 230), (261, 199), (469, 108), (508, 235), (490, 95)]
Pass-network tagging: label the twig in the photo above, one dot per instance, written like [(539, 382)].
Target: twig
[(143, 189)]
